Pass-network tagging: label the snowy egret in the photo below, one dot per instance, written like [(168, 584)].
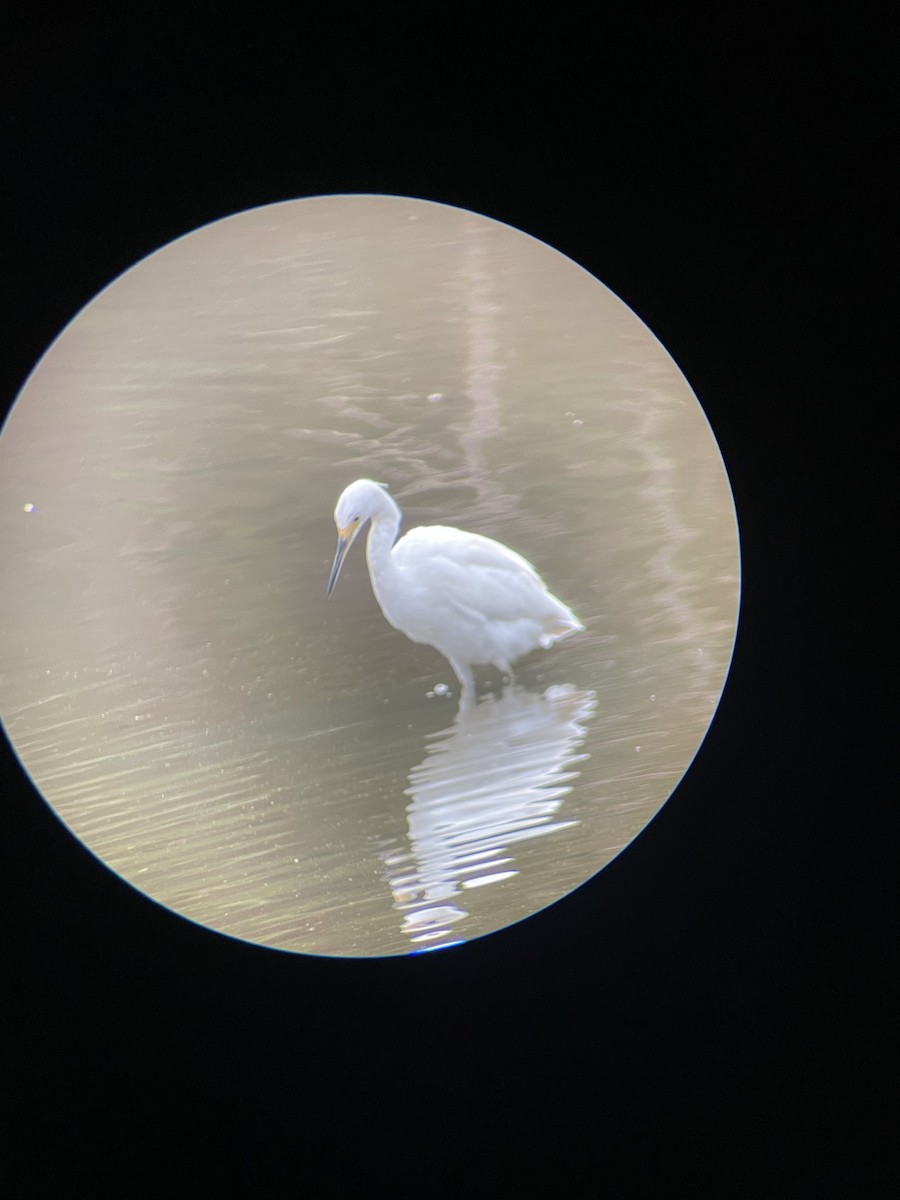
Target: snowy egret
[(471, 598)]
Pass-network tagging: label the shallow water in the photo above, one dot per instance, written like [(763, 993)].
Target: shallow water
[(276, 765)]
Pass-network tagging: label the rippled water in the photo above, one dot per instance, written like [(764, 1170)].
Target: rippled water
[(286, 768)]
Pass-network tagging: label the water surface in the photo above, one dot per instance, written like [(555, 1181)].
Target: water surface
[(290, 769)]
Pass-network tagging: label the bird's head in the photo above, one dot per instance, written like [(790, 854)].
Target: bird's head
[(357, 503)]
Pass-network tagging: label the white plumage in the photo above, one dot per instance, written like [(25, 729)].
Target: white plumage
[(473, 599)]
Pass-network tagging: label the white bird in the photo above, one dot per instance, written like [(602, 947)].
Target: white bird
[(471, 598)]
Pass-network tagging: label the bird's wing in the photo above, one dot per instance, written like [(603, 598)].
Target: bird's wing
[(467, 550), (473, 573)]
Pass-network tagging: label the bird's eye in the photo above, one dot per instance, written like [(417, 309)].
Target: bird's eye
[(356, 518)]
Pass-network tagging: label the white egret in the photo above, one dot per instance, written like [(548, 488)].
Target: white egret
[(471, 598)]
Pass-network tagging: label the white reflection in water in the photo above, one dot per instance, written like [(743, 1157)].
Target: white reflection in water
[(498, 776)]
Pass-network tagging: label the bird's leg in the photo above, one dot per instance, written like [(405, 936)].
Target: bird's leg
[(467, 679), (506, 675)]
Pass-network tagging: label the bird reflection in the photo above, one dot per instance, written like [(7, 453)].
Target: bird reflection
[(496, 777)]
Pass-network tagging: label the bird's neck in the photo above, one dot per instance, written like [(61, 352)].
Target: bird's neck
[(382, 535)]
